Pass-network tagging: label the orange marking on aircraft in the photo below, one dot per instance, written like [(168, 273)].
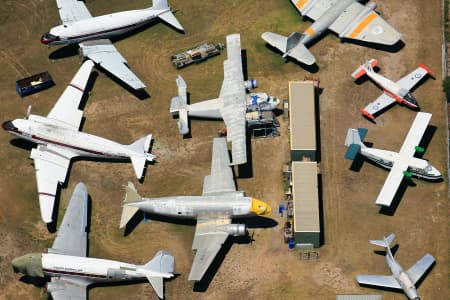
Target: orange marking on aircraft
[(310, 31), (363, 25), (301, 3)]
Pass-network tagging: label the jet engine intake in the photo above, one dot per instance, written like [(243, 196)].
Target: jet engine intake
[(234, 229), (251, 84)]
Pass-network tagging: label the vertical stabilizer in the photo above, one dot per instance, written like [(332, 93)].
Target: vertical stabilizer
[(140, 154)]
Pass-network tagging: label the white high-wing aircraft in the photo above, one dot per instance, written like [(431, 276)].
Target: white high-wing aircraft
[(231, 106), (213, 210), (400, 279), (402, 164), (93, 33), (393, 91), (348, 18), (59, 140), (70, 269)]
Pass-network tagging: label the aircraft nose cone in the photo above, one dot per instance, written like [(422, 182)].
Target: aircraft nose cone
[(9, 126)]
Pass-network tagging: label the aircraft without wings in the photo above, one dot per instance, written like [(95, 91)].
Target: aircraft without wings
[(93, 33), (69, 268), (347, 18), (393, 91), (214, 210), (232, 104), (400, 279), (59, 140), (401, 164)]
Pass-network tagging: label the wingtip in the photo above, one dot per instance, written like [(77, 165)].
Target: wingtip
[(426, 68), (366, 114)]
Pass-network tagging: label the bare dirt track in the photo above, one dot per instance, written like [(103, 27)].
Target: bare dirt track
[(265, 269)]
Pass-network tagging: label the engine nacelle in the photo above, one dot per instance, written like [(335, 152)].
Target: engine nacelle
[(234, 229), (116, 274), (251, 84)]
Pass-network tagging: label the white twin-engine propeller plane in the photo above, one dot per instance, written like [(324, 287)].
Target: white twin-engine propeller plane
[(69, 268), (393, 91), (347, 18), (93, 33), (59, 140), (400, 279), (232, 104), (402, 164)]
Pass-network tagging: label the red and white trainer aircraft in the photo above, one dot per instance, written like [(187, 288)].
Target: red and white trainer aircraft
[(393, 91), (59, 140)]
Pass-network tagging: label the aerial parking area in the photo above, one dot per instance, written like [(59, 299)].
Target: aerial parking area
[(263, 267)]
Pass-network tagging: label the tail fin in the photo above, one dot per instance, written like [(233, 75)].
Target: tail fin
[(128, 211), (297, 50), (162, 262), (354, 142), (361, 70), (385, 242), (166, 16), (141, 154), (179, 104)]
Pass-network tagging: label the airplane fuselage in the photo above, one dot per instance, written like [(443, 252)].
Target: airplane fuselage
[(417, 166), (43, 131), (105, 26), (401, 276), (392, 89), (323, 22), (94, 269), (233, 204)]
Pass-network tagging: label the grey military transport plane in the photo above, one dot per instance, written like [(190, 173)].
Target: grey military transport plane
[(399, 279), (69, 268), (219, 203), (348, 18)]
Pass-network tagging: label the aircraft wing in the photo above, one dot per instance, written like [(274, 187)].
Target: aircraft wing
[(207, 243), (379, 104), (360, 22), (51, 166), (108, 57), (233, 96), (72, 10), (392, 183), (68, 288), (71, 238), (313, 9), (221, 178), (413, 78), (420, 267), (379, 280), (415, 134), (66, 111)]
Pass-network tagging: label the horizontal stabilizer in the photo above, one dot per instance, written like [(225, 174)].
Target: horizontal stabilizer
[(361, 70), (352, 151), (386, 242), (157, 284), (169, 18), (138, 163), (302, 54), (355, 136), (128, 211), (362, 133), (162, 262), (179, 104)]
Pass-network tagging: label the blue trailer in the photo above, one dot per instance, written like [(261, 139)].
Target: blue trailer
[(34, 84)]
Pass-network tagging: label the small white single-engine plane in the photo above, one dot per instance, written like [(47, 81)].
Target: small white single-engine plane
[(69, 268), (348, 18), (213, 210), (400, 279), (59, 140), (93, 33), (393, 91), (401, 164), (232, 104)]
